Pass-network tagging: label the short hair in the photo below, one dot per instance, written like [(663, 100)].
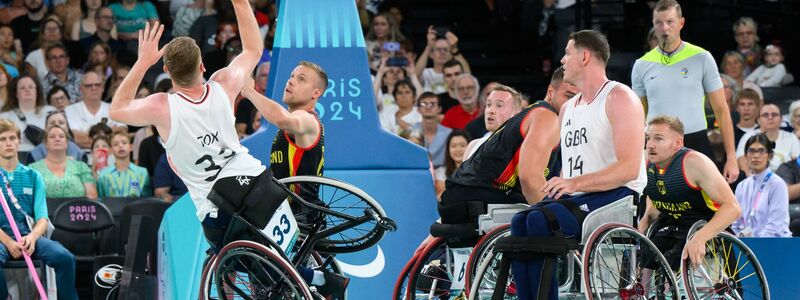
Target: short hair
[(471, 77), (55, 89), (99, 129), (762, 139), (53, 47), (557, 77), (406, 83), (748, 94), (452, 63), (734, 54), (794, 106), (426, 95), (6, 126), (119, 132), (593, 41), (667, 5), (514, 93), (182, 60), (672, 122), (323, 76), (748, 22)]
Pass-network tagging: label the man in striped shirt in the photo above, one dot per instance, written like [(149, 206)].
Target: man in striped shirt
[(123, 178)]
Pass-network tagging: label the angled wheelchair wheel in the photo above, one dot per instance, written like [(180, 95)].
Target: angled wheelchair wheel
[(432, 274), (482, 250), (621, 263), (249, 270), (401, 284), (206, 280), (730, 271), (486, 278), (348, 204)]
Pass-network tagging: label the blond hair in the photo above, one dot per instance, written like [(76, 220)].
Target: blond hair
[(323, 76), (672, 122), (6, 126), (514, 93), (182, 60)]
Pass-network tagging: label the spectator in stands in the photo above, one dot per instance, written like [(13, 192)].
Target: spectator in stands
[(772, 72), (86, 25), (477, 127), (400, 117), (58, 97), (105, 31), (120, 71), (794, 116), (763, 197), (790, 170), (28, 188), (745, 31), (167, 184), (186, 15), (101, 60), (748, 105), (661, 82), (220, 57), (468, 107), (24, 107), (10, 48), (454, 149), (430, 132), (100, 158), (123, 178), (27, 27), (730, 88), (63, 176), (58, 118), (786, 145), (49, 34), (131, 15), (92, 110), (386, 79), (733, 65), (204, 30), (384, 29), (149, 151), (244, 108), (452, 69), (441, 47), (60, 73)]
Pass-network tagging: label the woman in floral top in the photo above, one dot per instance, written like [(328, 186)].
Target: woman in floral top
[(63, 176)]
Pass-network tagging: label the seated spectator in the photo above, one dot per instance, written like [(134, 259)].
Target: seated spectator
[(733, 65), (794, 116), (745, 31), (28, 187), (772, 72), (101, 60), (786, 145), (228, 44), (86, 25), (385, 81), (763, 197), (26, 26), (441, 48), (92, 110), (99, 157), (24, 107), (383, 30), (748, 105), (149, 151), (452, 69), (468, 107), (58, 97), (399, 118), (58, 118), (10, 48), (49, 34), (131, 15), (123, 178), (204, 30), (60, 73), (70, 13), (186, 15), (430, 132), (731, 89), (105, 32), (64, 177), (120, 71), (244, 108), (454, 149), (167, 184)]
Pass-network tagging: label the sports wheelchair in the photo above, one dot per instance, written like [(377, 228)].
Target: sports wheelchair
[(612, 260), (340, 219)]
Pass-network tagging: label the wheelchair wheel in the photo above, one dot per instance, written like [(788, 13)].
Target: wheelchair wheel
[(614, 261), (341, 198), (249, 270), (431, 277), (486, 278), (401, 285), (315, 262), (206, 280), (730, 271), (481, 251)]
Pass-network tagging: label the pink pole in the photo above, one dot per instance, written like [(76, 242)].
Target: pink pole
[(34, 274)]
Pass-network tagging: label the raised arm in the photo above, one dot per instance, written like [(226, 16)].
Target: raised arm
[(234, 75), (422, 60), (150, 110), (297, 123)]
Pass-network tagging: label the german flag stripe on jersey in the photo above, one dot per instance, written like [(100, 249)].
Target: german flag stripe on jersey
[(508, 178)]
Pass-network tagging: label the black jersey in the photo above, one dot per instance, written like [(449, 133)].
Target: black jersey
[(494, 164), (674, 197), (287, 159)]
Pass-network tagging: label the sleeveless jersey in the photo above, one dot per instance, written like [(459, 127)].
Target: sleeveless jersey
[(587, 143), (675, 197), (287, 159), (203, 146), (494, 164)]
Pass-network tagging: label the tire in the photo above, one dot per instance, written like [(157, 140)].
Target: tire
[(246, 269), (342, 198), (206, 293), (603, 279), (429, 279), (483, 285), (726, 254), (400, 286), (484, 245)]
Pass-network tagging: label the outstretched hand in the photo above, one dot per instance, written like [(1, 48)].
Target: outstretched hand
[(149, 53)]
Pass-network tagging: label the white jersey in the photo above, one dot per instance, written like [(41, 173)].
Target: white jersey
[(587, 142), (203, 146)]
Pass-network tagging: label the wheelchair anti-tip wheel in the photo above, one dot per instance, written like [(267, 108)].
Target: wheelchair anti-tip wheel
[(621, 263)]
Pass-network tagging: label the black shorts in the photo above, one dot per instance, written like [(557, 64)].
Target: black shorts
[(670, 241)]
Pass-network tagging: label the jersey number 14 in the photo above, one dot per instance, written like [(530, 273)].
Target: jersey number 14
[(575, 164)]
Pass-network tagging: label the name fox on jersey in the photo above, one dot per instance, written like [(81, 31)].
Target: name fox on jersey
[(208, 138)]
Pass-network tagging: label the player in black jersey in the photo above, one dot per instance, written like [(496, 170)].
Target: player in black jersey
[(683, 186)]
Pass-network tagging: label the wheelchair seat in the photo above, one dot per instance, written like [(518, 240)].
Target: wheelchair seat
[(453, 230), (497, 215), (620, 211)]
